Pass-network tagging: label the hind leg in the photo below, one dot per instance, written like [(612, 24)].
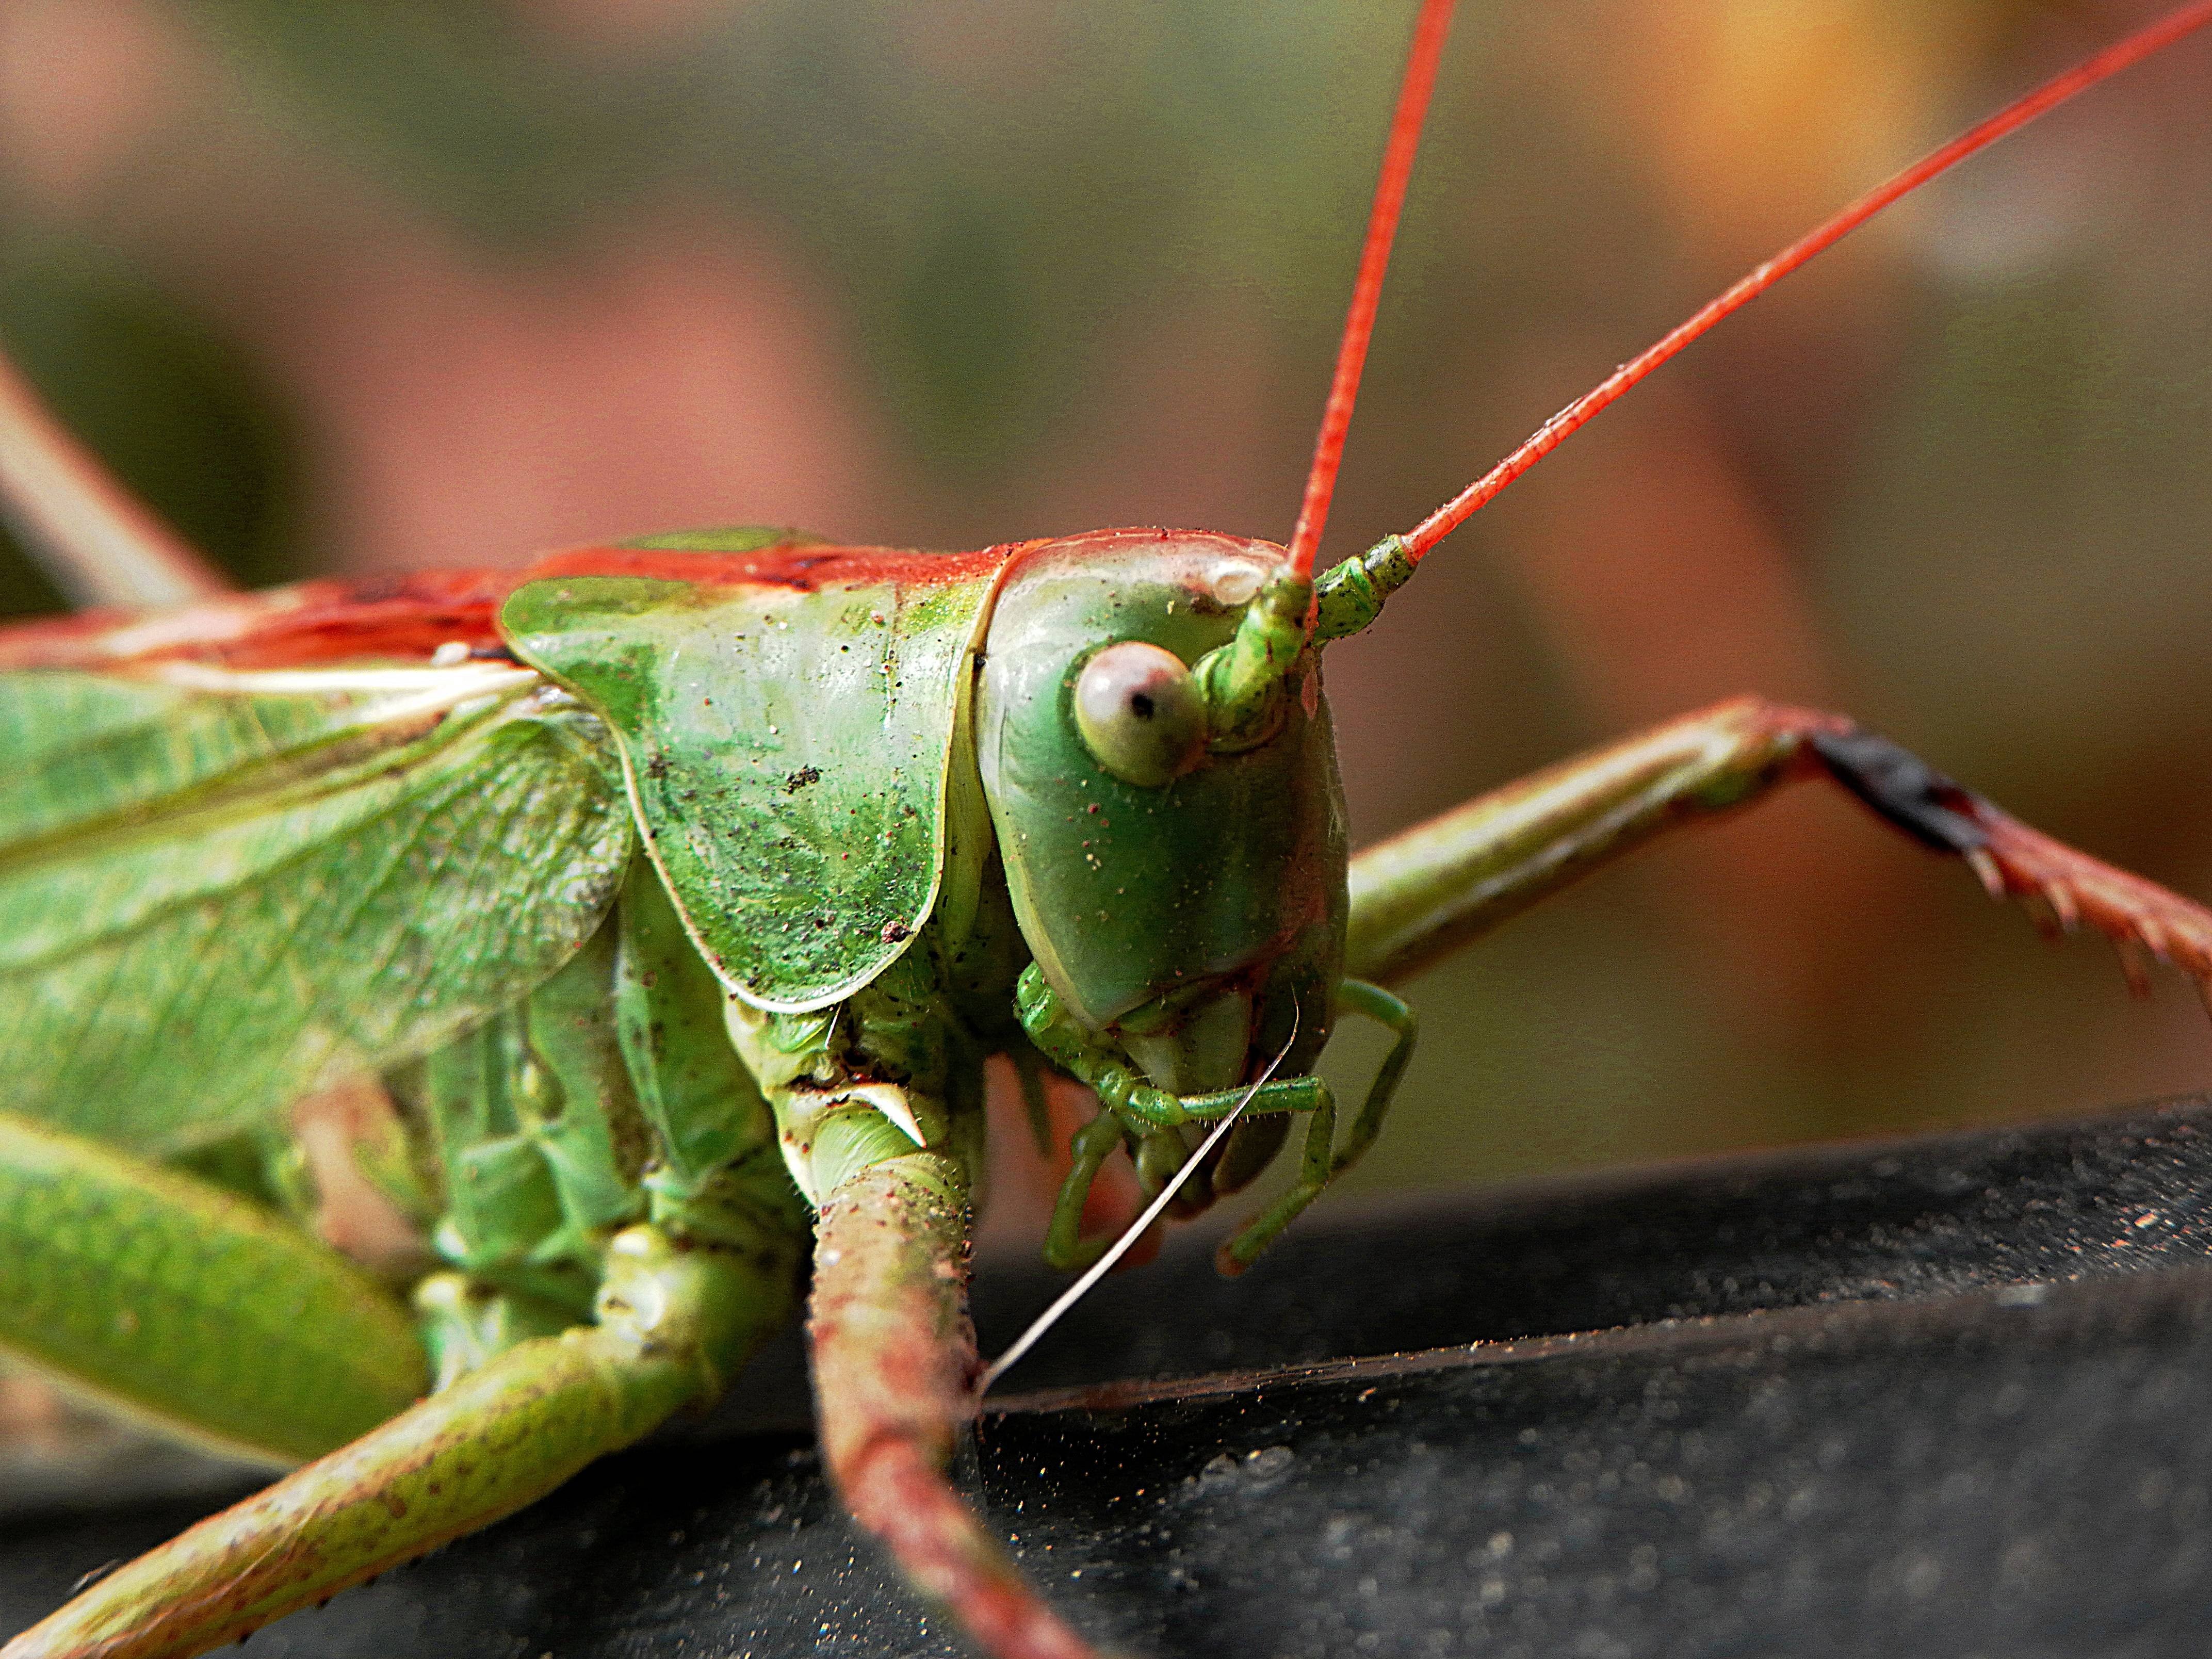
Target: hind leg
[(1424, 893), (673, 1323), (177, 1304)]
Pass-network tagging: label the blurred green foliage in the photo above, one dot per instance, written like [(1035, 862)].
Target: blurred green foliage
[(980, 242)]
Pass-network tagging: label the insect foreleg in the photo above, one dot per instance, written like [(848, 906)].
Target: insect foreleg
[(1322, 1160), (672, 1324), (1425, 893), (878, 1103), (894, 1358), (1134, 1108)]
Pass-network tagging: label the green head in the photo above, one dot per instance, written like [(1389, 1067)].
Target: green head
[(1175, 843)]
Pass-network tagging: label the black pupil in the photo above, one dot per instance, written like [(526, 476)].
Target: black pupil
[(1141, 705)]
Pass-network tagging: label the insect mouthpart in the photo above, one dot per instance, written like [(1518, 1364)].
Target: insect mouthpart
[(1194, 1039)]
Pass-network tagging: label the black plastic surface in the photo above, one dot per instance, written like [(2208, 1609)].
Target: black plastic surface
[(1951, 1396)]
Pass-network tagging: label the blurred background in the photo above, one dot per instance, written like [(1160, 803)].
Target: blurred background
[(361, 286)]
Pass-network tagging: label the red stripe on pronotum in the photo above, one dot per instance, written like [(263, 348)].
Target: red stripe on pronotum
[(1398, 154), (803, 566), (1549, 436), (407, 618), (327, 620)]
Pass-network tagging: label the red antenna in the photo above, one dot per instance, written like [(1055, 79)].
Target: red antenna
[(1428, 47), (1556, 431)]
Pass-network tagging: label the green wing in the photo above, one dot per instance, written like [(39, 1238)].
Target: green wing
[(786, 721), (216, 895)]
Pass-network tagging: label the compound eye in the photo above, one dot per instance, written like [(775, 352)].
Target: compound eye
[(1140, 713)]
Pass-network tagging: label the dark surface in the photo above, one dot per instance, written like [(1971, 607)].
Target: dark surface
[(1951, 1396)]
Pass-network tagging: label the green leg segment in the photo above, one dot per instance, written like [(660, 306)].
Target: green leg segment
[(1424, 893), (1064, 1246), (1122, 1089), (176, 1302), (673, 1325)]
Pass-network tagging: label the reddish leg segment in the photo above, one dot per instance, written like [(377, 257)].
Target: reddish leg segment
[(894, 1363)]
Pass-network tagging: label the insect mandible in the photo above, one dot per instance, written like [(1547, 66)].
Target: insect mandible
[(679, 892)]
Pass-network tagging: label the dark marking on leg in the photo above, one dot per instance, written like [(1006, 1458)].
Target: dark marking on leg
[(1905, 789)]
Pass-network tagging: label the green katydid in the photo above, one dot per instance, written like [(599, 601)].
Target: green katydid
[(679, 892)]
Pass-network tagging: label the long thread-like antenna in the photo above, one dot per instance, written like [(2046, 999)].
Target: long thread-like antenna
[(1554, 432), (1398, 154)]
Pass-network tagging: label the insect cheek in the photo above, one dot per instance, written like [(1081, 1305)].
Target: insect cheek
[(1140, 713)]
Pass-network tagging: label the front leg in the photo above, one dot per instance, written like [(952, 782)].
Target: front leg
[(878, 1108), (1426, 892), (894, 1369), (1148, 1118)]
